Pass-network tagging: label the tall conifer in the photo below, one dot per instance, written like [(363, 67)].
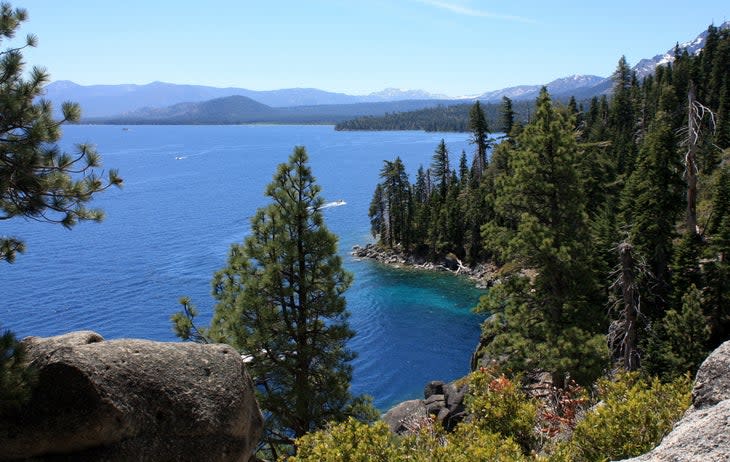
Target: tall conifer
[(280, 303), (552, 320)]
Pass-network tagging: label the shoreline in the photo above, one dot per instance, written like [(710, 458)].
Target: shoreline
[(484, 275)]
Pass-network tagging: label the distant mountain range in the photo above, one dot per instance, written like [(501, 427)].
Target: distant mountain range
[(239, 109), (560, 88), (160, 102), (114, 100)]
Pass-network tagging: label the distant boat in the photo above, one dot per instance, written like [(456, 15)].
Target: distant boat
[(125, 129), (180, 157)]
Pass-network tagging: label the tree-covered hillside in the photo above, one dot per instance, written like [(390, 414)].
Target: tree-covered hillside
[(442, 118), (610, 222), (611, 226)]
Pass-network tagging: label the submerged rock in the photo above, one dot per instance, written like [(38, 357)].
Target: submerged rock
[(133, 400)]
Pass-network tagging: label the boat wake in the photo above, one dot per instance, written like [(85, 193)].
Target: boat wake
[(333, 204)]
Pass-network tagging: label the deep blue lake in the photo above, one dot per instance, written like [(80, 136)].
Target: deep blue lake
[(189, 193)]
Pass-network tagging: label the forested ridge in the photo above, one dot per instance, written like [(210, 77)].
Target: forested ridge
[(442, 118), (611, 223), (611, 228)]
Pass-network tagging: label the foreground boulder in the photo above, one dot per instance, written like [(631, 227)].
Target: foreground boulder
[(703, 434), (133, 400)]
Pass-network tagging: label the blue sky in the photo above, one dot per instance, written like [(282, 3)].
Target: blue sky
[(452, 47)]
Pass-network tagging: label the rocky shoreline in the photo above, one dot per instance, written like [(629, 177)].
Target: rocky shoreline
[(484, 275)]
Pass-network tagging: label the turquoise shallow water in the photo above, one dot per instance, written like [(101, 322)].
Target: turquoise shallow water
[(189, 193)]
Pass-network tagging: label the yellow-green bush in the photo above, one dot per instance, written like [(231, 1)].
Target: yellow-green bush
[(632, 417), (349, 441), (471, 443), (497, 404), (353, 441)]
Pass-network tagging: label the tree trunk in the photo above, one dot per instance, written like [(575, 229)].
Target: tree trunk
[(691, 161), (630, 308)]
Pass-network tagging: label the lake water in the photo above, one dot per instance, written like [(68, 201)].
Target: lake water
[(189, 193)]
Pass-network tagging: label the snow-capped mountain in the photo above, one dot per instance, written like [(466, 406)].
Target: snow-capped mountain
[(587, 86), (572, 83), (397, 94), (514, 93), (564, 86), (646, 66)]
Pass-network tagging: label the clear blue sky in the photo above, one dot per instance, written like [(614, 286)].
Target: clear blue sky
[(453, 47)]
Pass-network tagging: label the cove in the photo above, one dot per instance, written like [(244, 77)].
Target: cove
[(189, 193)]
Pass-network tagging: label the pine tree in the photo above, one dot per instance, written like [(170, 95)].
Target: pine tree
[(679, 344), (396, 192), (280, 303), (507, 116), (717, 269), (651, 203), (553, 320), (686, 266), (463, 170), (621, 117), (720, 200), (441, 169), (38, 181), (378, 219), (421, 206), (722, 135), (716, 292), (479, 137)]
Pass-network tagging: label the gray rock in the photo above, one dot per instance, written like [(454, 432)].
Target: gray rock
[(703, 434), (406, 417), (134, 400), (435, 403), (712, 383), (435, 387), (442, 400), (454, 395), (451, 262), (443, 415)]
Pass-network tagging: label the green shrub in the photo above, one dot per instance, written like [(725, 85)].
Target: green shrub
[(471, 443), (498, 405), (632, 417), (353, 441), (349, 441)]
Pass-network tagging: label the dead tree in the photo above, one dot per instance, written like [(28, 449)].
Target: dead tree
[(696, 113), (623, 337)]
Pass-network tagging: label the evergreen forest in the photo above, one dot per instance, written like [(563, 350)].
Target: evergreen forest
[(610, 223), (441, 118)]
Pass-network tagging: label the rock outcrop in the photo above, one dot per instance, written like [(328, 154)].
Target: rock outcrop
[(484, 275), (133, 400), (406, 417), (703, 434), (444, 401)]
